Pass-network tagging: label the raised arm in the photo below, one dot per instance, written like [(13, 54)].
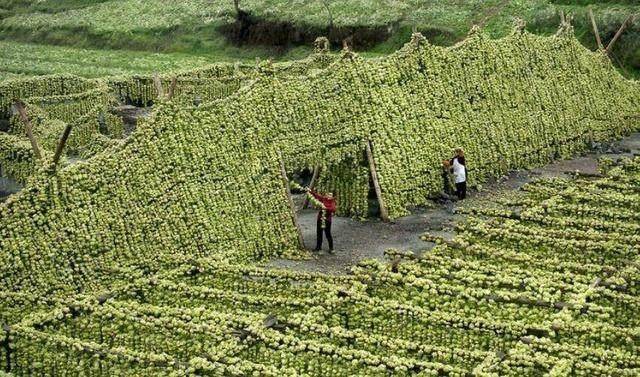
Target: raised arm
[(317, 196)]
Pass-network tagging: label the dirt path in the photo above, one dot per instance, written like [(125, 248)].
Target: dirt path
[(357, 240)]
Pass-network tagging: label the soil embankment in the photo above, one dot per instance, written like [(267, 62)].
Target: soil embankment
[(251, 30)]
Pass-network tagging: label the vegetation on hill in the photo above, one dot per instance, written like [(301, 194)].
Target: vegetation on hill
[(27, 59), (281, 28)]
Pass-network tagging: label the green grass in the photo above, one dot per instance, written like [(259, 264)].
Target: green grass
[(193, 27), (20, 58), (33, 59)]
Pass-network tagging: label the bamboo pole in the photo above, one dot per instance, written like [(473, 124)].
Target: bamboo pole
[(376, 185), (292, 207), (61, 144), (312, 184), (618, 34), (595, 29), (29, 128)]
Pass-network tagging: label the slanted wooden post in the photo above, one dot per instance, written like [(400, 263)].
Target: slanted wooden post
[(61, 143), (172, 88), (292, 207), (158, 85), (312, 184), (618, 34), (374, 176), (29, 128), (595, 30)]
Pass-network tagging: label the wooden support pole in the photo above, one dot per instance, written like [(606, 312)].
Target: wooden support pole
[(618, 34), (563, 19), (29, 128), (292, 207), (6, 344), (61, 144), (312, 184), (595, 30), (158, 85), (376, 185), (172, 88)]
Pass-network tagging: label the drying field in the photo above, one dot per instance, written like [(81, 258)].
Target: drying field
[(143, 252), (542, 284)]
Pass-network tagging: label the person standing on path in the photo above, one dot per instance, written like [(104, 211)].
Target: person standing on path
[(325, 217), (459, 169)]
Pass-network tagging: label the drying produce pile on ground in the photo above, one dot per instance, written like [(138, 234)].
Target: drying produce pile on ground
[(545, 283), (142, 258)]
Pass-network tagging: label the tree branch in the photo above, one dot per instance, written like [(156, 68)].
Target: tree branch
[(326, 6)]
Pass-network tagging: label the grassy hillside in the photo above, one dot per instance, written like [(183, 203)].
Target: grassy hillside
[(285, 28), (36, 59)]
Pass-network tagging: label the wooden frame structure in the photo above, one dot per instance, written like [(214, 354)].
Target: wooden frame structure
[(161, 95), (292, 207), (312, 185), (384, 214), (37, 152), (607, 50)]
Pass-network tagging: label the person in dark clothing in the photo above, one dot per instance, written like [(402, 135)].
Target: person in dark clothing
[(459, 169), (325, 217)]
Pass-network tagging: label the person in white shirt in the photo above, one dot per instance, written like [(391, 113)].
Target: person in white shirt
[(459, 169)]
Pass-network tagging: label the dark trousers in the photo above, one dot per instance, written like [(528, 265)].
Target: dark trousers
[(327, 232), (461, 190)]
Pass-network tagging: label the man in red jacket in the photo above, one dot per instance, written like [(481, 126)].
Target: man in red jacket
[(325, 216)]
